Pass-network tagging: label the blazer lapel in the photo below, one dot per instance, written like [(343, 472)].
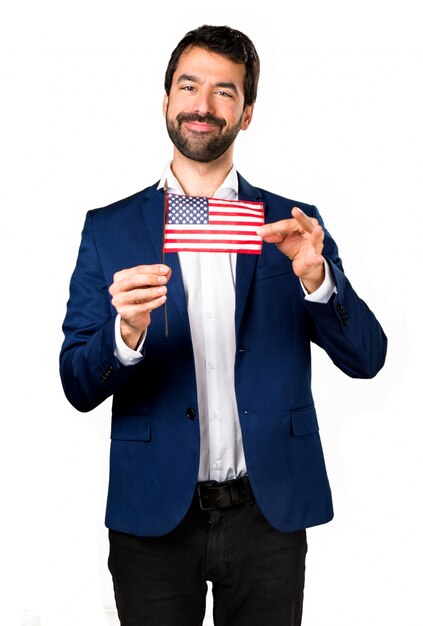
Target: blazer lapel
[(153, 213), (246, 263)]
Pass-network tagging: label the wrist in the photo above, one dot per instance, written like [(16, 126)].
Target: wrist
[(314, 279), (131, 336)]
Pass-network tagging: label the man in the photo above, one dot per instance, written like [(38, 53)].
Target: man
[(216, 465)]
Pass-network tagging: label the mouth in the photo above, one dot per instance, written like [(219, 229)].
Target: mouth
[(200, 123), (200, 127)]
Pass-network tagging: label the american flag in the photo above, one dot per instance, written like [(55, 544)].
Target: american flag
[(199, 224)]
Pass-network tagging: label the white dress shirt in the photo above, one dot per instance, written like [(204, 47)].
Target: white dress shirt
[(209, 283)]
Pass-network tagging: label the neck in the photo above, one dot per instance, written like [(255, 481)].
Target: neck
[(201, 179)]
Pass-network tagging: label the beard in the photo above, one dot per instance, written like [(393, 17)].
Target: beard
[(202, 146)]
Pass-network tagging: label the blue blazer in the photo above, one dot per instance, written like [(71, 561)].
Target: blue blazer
[(155, 439)]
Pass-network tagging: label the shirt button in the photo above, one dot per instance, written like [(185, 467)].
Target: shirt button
[(213, 416), (216, 465), (212, 365), (190, 413)]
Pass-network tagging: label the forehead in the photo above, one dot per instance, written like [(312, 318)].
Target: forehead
[(209, 66)]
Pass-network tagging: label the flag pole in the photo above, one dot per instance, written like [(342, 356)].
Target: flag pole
[(165, 190)]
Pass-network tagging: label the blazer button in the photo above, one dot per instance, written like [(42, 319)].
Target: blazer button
[(190, 413)]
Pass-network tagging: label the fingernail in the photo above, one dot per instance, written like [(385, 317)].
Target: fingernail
[(163, 269), (260, 231)]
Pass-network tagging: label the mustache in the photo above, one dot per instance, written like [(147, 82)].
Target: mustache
[(203, 119)]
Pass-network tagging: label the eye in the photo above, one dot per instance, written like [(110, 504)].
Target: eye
[(224, 93), (188, 88)]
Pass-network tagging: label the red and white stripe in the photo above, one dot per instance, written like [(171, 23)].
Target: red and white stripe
[(232, 228)]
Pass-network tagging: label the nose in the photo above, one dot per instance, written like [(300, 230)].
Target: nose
[(203, 102)]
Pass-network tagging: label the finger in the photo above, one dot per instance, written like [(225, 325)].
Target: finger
[(157, 270), (317, 231), (133, 311), (127, 280), (277, 230), (137, 296), (307, 223), (317, 237)]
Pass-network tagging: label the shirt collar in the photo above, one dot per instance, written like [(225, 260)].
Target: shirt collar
[(229, 187)]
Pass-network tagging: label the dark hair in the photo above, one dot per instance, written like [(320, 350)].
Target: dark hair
[(228, 42)]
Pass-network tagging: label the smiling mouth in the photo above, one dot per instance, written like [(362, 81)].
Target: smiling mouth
[(200, 123), (201, 127)]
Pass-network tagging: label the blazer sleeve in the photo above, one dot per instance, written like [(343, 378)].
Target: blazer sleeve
[(89, 369), (345, 327)]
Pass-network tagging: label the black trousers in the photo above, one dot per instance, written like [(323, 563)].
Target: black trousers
[(257, 572)]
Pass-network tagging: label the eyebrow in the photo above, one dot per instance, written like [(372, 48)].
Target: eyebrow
[(194, 79), (228, 86)]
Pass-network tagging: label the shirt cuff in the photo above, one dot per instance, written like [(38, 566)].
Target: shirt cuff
[(324, 292), (123, 353)]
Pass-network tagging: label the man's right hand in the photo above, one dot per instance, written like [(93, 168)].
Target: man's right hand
[(135, 293)]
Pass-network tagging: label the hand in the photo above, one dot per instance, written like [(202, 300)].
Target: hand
[(135, 293), (301, 240)]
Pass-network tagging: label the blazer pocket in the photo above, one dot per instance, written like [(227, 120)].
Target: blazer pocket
[(304, 421), (131, 428)]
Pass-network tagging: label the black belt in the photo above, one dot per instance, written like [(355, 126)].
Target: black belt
[(214, 495)]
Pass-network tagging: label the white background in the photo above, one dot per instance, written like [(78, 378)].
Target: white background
[(338, 123)]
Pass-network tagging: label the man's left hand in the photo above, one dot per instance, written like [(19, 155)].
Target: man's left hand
[(301, 240)]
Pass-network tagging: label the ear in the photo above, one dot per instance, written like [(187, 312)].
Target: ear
[(165, 104), (247, 116)]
